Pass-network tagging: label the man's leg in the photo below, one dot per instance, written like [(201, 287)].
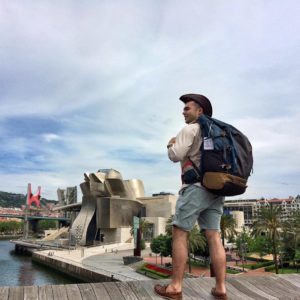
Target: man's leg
[(218, 258), (179, 257)]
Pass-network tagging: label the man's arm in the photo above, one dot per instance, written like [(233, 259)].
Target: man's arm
[(171, 142), (179, 147)]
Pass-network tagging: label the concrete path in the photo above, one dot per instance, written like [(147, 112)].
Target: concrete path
[(106, 260)]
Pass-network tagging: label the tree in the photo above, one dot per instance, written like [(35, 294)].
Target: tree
[(47, 224), (155, 247), (144, 225), (166, 247), (269, 223), (169, 226), (262, 245), (227, 225), (196, 240), (291, 237), (11, 227), (162, 245), (244, 243)]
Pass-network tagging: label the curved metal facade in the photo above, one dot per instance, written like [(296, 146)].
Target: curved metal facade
[(108, 202)]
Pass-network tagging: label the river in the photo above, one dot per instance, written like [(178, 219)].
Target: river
[(19, 270)]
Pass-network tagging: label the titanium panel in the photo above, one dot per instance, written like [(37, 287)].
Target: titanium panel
[(137, 187), (116, 212)]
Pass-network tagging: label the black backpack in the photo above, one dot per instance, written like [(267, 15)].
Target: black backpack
[(226, 158)]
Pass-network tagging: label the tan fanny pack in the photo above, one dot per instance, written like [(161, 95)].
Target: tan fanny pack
[(217, 180)]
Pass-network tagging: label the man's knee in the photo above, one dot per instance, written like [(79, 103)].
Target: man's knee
[(178, 232), (213, 236)]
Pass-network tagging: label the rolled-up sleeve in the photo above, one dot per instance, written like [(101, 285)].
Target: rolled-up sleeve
[(184, 140)]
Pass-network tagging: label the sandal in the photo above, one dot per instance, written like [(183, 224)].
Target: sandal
[(219, 296), (161, 290)]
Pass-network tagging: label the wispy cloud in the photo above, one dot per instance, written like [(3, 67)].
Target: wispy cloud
[(90, 86)]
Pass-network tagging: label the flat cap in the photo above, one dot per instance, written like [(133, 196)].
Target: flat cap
[(201, 100)]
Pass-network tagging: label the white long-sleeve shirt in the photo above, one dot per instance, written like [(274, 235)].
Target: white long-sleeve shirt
[(187, 145)]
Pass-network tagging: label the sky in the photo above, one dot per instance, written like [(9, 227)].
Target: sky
[(87, 85)]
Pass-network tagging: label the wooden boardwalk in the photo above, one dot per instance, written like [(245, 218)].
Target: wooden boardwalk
[(238, 287)]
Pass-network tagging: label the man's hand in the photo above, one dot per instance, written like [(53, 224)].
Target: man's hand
[(171, 142)]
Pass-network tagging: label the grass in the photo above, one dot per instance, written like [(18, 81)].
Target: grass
[(257, 265), (284, 270), (198, 264), (150, 274), (232, 271), (287, 271), (247, 266)]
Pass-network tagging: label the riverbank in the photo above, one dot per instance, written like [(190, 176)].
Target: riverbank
[(94, 264), (10, 237)]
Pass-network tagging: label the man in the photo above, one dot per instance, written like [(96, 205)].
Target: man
[(194, 203)]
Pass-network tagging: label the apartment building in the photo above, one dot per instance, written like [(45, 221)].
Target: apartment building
[(288, 206), (251, 207)]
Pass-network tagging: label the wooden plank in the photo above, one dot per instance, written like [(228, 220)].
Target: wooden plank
[(45, 292), (149, 287), (245, 289), (292, 284), (238, 287), (31, 293), (100, 291), (16, 293), (291, 279), (73, 292), (236, 292), (126, 291), (276, 284), (59, 292), (191, 291), (196, 284), (285, 286), (264, 286), (139, 291), (113, 291), (208, 283), (200, 282), (254, 289), (4, 290), (295, 278), (86, 291)]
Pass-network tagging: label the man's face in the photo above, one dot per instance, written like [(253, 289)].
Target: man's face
[(191, 112)]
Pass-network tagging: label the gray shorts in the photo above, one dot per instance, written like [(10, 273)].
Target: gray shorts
[(195, 203)]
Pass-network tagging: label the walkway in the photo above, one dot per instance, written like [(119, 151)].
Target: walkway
[(245, 288), (105, 260)]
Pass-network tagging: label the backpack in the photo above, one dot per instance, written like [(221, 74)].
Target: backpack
[(226, 158)]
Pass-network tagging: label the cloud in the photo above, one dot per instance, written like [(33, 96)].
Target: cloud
[(85, 87), (49, 137)]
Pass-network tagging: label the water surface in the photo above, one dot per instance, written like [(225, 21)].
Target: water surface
[(19, 270)]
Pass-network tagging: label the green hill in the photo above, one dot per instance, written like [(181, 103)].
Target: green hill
[(17, 200)]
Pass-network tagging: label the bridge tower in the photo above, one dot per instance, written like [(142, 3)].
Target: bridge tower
[(29, 200)]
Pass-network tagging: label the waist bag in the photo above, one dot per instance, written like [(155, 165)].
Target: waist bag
[(226, 159)]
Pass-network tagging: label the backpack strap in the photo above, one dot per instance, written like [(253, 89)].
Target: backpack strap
[(195, 167)]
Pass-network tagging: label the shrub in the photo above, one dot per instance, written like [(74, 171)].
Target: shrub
[(229, 271), (143, 245), (255, 259), (286, 264), (270, 268), (261, 264)]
